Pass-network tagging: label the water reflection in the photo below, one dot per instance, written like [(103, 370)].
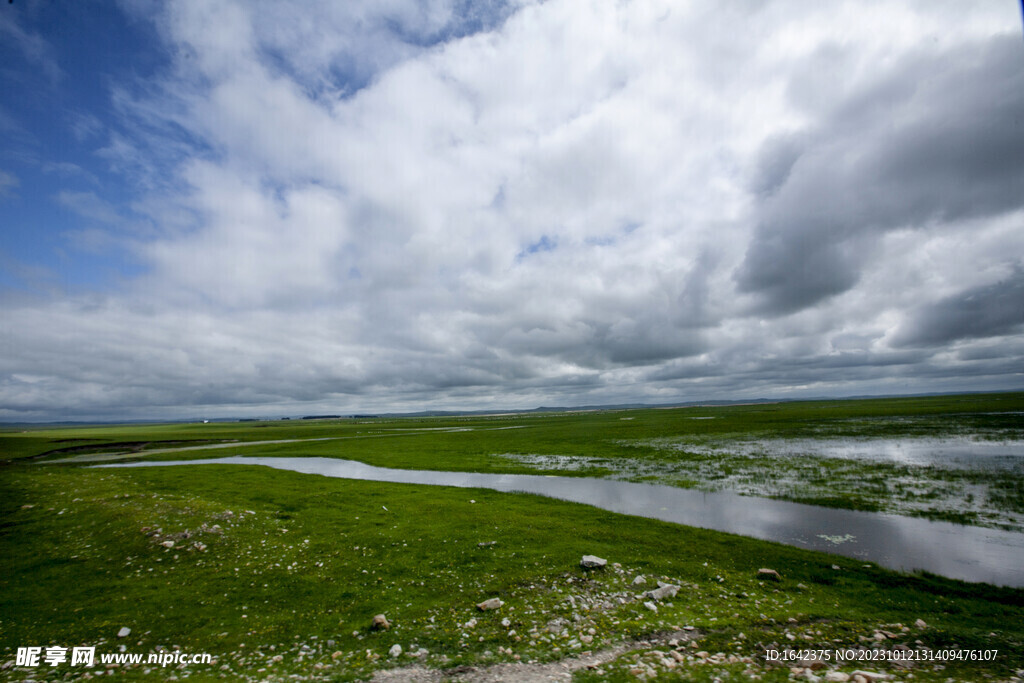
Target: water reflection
[(904, 543)]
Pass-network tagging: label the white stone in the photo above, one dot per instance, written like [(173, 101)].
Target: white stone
[(395, 650), (593, 562), (123, 632), (493, 603), (665, 591)]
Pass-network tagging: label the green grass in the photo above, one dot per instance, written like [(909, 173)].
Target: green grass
[(593, 434), (316, 558), (303, 560)]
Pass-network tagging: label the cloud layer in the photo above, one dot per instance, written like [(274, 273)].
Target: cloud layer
[(461, 205)]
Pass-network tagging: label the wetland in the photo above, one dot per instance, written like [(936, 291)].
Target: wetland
[(279, 573)]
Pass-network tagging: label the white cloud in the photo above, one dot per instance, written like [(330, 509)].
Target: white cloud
[(372, 205)]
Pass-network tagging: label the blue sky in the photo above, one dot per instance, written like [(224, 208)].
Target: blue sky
[(61, 62), (274, 208)]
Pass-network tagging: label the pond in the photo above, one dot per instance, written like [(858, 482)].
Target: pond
[(902, 543)]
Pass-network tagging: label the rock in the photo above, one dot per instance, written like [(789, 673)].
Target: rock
[(651, 606), (639, 580), (493, 603), (768, 574), (837, 677), (920, 623), (555, 625), (123, 632), (870, 676), (664, 591), (168, 544), (593, 562), (380, 623), (395, 650)]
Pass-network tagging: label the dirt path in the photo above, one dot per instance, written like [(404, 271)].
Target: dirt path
[(561, 670)]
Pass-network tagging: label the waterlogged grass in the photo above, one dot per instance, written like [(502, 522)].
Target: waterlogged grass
[(952, 478), (278, 574)]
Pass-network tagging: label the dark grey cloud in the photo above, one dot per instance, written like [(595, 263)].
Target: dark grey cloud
[(937, 139), (750, 366), (600, 344), (978, 312), (859, 374), (775, 162)]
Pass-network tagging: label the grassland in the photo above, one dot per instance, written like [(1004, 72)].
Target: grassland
[(279, 574), (764, 449)]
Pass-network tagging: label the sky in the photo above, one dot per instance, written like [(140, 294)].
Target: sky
[(269, 208)]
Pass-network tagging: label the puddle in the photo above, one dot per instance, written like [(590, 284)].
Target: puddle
[(902, 543)]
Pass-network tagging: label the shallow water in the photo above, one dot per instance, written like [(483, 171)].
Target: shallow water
[(903, 543)]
